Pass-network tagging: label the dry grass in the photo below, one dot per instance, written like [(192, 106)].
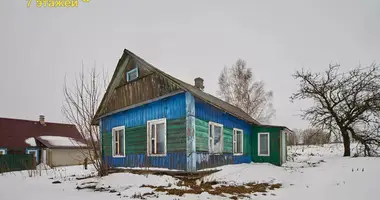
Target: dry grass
[(216, 188), (189, 182)]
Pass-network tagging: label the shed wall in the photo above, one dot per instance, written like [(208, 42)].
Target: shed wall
[(66, 157), (274, 136)]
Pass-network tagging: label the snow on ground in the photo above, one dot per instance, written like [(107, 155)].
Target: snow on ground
[(313, 173)]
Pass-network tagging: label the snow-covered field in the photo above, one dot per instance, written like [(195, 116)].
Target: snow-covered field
[(313, 172)]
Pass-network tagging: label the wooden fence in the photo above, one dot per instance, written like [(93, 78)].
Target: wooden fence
[(17, 162)]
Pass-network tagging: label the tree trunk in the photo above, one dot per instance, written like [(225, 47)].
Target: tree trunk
[(346, 143)]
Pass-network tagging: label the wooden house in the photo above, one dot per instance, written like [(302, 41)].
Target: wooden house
[(54, 144), (148, 118)]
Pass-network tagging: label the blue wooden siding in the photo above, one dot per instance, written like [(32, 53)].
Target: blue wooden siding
[(173, 107), (176, 160), (205, 160), (208, 112)]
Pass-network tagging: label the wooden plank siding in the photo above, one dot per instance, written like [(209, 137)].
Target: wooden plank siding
[(135, 138), (274, 145), (136, 147), (201, 129), (145, 88), (205, 113)]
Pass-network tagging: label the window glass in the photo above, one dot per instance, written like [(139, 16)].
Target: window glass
[(264, 149), (121, 142), (239, 142), (118, 141), (215, 138), (160, 138), (157, 136)]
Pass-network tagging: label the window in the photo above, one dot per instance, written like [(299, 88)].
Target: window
[(133, 74), (3, 151), (263, 144), (215, 143), (156, 135), (118, 142), (34, 152), (238, 142)]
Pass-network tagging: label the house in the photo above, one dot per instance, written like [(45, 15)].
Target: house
[(148, 118), (54, 144)]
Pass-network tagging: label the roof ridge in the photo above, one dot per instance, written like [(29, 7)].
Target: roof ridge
[(28, 120)]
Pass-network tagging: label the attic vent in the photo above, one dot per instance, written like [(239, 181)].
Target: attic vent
[(198, 83), (133, 74)]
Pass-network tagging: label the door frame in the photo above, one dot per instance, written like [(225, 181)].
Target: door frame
[(283, 148)]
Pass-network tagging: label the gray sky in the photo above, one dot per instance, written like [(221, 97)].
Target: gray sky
[(38, 46)]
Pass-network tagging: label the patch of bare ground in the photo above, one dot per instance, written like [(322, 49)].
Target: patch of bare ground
[(216, 188), (190, 184)]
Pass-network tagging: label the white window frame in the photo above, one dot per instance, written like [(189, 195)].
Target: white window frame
[(149, 138), (258, 141), (4, 151), (234, 142), (131, 71), (33, 150), (210, 148), (114, 130)]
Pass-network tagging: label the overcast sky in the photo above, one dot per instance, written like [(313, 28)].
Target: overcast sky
[(38, 46)]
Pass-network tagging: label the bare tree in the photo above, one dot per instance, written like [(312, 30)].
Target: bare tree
[(237, 87), (312, 136), (79, 107), (344, 103), (293, 137)]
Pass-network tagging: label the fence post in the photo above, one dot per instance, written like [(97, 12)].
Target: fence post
[(85, 163)]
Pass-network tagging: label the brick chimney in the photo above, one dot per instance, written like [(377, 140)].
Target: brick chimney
[(42, 120), (198, 83)]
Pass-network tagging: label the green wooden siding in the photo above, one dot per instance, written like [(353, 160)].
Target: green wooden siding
[(176, 138), (247, 141), (201, 132), (227, 137), (135, 138), (107, 144), (274, 137)]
